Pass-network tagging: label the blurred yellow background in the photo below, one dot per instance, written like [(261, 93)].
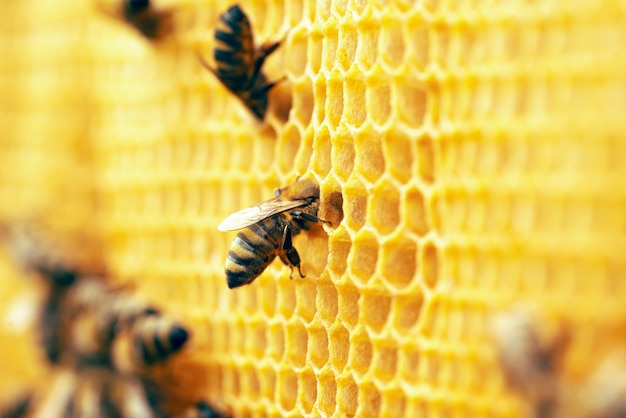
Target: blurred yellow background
[(478, 145)]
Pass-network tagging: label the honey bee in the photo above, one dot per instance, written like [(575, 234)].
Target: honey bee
[(267, 230), (239, 62), (151, 339), (531, 358), (153, 23)]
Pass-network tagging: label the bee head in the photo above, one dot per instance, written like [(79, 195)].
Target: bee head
[(302, 188)]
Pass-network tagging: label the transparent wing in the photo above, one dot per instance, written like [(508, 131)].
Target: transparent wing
[(249, 216)]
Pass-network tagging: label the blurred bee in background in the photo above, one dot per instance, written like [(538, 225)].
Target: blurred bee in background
[(152, 22), (267, 230), (530, 361), (532, 354), (150, 340), (102, 339), (239, 61)]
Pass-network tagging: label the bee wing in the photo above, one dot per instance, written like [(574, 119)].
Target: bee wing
[(250, 216)]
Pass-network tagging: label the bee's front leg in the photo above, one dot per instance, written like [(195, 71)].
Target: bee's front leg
[(288, 254), (298, 214)]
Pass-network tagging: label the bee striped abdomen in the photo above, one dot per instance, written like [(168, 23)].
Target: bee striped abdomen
[(252, 251), (236, 55), (156, 339)]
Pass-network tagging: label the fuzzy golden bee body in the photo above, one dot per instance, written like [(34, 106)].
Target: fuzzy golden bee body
[(267, 230), (239, 61)]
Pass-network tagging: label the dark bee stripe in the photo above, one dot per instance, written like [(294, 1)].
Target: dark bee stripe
[(228, 58), (229, 39), (254, 242), (136, 6), (262, 230)]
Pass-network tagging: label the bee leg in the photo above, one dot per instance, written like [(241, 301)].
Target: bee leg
[(262, 53), (308, 217), (206, 65), (289, 255)]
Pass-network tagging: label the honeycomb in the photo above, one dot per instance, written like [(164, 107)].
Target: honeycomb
[(477, 147)]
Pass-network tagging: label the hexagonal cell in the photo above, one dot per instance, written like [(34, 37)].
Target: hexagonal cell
[(319, 107), (331, 202), (355, 106), (308, 390), (414, 211), (339, 249), (347, 396), (264, 149), (306, 295), (398, 261), (267, 295), (407, 309), (342, 154), (375, 308), (378, 101), (391, 42), (294, 10), (434, 318), (256, 339), (369, 32), (286, 300), (267, 377), (383, 212), (348, 43), (303, 159), (363, 256), (360, 357), (313, 248), (318, 345), (334, 98), (417, 40), (349, 297), (393, 403), (339, 346), (408, 363), (385, 360), (399, 154), (322, 151), (303, 101), (297, 56), (429, 266), (370, 162), (327, 392), (310, 11), (410, 104), (250, 381), (276, 341), (330, 43), (327, 301), (314, 53), (287, 389), (369, 400), (288, 145), (426, 159), (231, 381), (297, 343)]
